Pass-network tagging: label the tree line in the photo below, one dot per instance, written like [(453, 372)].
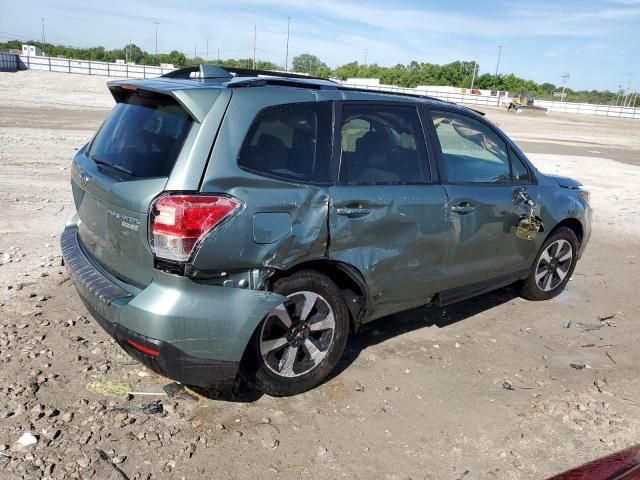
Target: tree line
[(458, 73)]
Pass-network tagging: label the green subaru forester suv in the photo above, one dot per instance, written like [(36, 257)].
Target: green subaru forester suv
[(236, 221)]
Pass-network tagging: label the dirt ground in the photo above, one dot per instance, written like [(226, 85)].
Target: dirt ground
[(482, 389)]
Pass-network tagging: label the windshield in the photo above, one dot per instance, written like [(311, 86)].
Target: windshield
[(143, 135)]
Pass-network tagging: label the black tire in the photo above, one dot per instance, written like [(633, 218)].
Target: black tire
[(269, 381), (534, 288)]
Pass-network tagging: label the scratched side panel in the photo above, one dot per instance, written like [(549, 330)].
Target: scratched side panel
[(236, 244), (251, 239)]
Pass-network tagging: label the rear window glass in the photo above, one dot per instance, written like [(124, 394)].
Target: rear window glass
[(291, 141), (143, 135)]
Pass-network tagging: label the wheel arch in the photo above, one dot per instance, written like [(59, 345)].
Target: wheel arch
[(572, 224), (347, 277)]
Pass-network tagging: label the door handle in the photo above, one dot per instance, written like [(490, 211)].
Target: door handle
[(353, 212), (463, 207)]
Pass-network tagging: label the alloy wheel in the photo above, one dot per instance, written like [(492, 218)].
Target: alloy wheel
[(297, 334), (553, 265)]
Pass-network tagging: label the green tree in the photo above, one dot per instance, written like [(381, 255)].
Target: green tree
[(307, 63)]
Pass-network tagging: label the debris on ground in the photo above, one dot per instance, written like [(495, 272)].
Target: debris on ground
[(577, 366), (153, 408), (109, 388), (567, 324), (107, 459), (178, 391), (507, 385), (607, 320), (27, 439), (590, 327)]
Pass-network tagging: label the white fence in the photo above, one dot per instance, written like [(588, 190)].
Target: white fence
[(89, 67), (590, 109), (494, 101), (86, 67)]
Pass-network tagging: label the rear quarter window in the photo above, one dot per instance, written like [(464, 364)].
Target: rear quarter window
[(143, 135), (290, 142)]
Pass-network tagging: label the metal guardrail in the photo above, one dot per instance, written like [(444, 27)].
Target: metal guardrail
[(90, 67)]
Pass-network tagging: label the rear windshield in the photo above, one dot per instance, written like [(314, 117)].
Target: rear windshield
[(143, 135)]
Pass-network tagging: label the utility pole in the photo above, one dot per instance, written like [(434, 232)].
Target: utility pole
[(207, 57), (564, 77), (473, 77), (156, 24), (624, 102), (43, 30), (286, 58), (195, 50), (218, 55), (497, 66), (254, 47), (366, 50)]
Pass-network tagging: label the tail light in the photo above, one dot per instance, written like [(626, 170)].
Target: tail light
[(179, 221)]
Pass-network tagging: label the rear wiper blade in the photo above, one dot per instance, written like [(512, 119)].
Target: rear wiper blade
[(109, 164)]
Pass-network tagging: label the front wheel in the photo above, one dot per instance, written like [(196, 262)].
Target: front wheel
[(553, 266), (300, 341)]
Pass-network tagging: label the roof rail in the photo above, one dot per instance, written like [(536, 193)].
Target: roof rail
[(402, 94), (214, 71)]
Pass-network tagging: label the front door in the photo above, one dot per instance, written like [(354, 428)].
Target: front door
[(386, 215), (482, 208)]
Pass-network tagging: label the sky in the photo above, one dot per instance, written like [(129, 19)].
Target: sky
[(597, 42)]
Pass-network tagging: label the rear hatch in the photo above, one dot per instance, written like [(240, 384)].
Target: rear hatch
[(117, 175)]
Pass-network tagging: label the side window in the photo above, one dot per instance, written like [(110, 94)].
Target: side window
[(519, 172), (291, 141), (382, 144), (471, 151)]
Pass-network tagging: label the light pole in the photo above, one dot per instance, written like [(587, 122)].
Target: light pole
[(286, 58), (207, 48), (624, 102), (498, 66), (366, 50), (254, 47), (42, 29), (156, 24), (564, 77), (473, 77)]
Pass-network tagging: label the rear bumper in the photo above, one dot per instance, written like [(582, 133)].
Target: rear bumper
[(190, 332)]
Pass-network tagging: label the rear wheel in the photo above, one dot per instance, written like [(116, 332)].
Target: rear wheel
[(553, 266), (300, 341)]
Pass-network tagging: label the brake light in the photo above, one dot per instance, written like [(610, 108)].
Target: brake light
[(179, 221)]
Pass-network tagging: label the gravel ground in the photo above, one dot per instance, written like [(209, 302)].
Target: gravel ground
[(482, 389)]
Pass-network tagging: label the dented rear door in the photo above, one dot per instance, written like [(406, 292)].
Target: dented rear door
[(387, 214)]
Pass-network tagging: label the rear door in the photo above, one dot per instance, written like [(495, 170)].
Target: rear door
[(387, 214), (482, 210), (116, 176)]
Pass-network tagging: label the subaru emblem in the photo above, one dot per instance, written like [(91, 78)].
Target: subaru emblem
[(84, 177)]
